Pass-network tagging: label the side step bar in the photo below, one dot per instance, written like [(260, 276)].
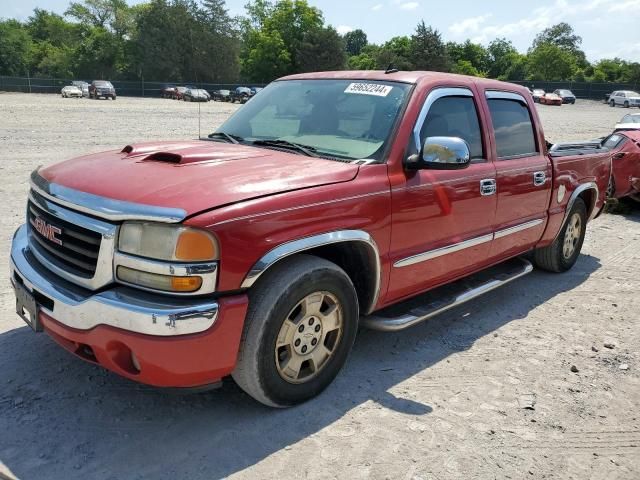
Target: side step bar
[(441, 299)]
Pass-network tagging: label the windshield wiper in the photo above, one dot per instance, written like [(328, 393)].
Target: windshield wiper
[(235, 139), (304, 149)]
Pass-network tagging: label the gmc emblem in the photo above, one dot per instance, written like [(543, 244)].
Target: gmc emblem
[(47, 230)]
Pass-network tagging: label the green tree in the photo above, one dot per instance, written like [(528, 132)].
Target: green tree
[(502, 54), (268, 59), (321, 49), (472, 53), (396, 52), (427, 50), (550, 62), (355, 41), (562, 36), (15, 48), (465, 67)]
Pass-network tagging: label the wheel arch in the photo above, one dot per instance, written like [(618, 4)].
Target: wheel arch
[(355, 251), (588, 193)]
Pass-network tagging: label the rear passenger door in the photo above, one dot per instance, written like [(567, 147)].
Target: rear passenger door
[(523, 174)]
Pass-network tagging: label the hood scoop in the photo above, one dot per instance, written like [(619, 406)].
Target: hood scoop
[(166, 157)]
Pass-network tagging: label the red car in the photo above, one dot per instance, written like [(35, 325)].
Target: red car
[(328, 202), (167, 92), (625, 179), (550, 99)]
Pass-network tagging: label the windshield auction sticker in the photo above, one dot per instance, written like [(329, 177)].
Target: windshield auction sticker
[(369, 89)]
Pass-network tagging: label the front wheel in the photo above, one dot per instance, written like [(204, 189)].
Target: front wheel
[(626, 104), (300, 327), (563, 253)]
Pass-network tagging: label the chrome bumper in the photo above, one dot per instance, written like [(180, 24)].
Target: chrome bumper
[(121, 307)]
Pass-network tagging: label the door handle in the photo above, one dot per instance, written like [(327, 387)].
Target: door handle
[(539, 178), (487, 187)]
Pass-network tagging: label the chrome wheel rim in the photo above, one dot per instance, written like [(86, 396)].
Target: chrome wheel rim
[(309, 337), (572, 235)]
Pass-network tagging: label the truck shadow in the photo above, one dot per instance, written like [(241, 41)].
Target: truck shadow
[(61, 418)]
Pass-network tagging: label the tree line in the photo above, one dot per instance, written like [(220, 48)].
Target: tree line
[(185, 40)]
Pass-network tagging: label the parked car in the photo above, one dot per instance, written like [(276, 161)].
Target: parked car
[(536, 94), (241, 95), (84, 86), (167, 91), (550, 99), (606, 97), (630, 121), (567, 96), (71, 91), (625, 149), (102, 88), (221, 95), (625, 98), (179, 92), (196, 95), (358, 191)]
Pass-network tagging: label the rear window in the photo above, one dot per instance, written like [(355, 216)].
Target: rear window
[(513, 128)]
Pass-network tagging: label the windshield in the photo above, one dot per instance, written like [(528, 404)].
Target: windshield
[(103, 84), (565, 92), (630, 119), (336, 118), (538, 91)]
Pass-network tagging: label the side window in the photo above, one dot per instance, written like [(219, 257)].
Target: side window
[(454, 117), (513, 128), (613, 141)]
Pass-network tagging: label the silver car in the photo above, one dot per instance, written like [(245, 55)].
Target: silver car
[(71, 91), (625, 98)]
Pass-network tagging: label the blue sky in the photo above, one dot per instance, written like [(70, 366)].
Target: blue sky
[(609, 28)]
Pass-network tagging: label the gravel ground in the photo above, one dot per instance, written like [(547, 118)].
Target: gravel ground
[(444, 400)]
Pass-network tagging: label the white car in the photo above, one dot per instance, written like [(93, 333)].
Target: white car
[(626, 98), (71, 91), (629, 122)]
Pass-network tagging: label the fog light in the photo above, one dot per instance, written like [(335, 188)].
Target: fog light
[(156, 281)]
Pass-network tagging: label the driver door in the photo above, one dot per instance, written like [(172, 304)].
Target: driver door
[(443, 219)]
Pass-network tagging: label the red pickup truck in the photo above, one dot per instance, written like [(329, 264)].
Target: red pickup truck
[(329, 201)]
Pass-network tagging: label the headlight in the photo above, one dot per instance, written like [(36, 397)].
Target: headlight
[(167, 242)]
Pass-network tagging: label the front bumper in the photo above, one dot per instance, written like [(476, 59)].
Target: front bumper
[(147, 337)]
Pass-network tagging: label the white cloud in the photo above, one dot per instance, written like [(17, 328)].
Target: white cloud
[(409, 5), (586, 13), (342, 29), (469, 25), (377, 7)]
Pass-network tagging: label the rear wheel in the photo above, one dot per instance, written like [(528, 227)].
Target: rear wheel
[(563, 253), (301, 324), (612, 103)]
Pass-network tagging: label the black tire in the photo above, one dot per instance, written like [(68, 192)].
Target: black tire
[(626, 104), (552, 258), (271, 301), (612, 103)]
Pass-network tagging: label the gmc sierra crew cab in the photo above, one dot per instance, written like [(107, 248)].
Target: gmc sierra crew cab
[(328, 202)]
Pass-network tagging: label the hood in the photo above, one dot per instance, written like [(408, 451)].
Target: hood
[(194, 175)]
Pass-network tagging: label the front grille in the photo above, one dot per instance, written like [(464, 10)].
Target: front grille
[(76, 249)]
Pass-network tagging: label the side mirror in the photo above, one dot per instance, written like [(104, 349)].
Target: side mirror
[(441, 153)]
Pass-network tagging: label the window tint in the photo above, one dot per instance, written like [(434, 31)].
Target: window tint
[(513, 128), (454, 117)]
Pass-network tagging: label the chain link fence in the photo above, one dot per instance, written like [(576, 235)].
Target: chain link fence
[(595, 91), (124, 88)]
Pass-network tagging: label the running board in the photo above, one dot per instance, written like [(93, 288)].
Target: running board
[(441, 299)]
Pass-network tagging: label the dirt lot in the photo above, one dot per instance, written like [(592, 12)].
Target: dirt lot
[(443, 400)]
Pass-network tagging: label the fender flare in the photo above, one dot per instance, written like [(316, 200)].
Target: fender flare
[(574, 196), (293, 247)]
